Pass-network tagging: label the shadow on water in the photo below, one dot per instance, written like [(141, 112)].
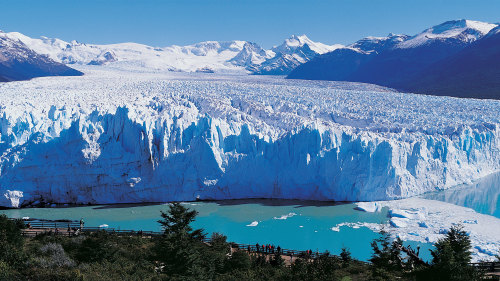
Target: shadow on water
[(295, 203), (483, 195), (126, 205)]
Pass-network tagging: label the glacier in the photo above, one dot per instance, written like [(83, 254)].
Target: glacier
[(116, 136)]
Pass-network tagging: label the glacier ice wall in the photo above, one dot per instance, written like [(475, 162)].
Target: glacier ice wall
[(182, 148)]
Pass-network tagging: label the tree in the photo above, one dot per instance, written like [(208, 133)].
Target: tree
[(345, 255), (452, 256), (240, 260), (177, 222), (387, 261), (11, 240), (180, 249)]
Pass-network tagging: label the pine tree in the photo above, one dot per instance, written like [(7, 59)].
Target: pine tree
[(345, 255), (180, 249), (176, 222), (452, 256), (387, 261)]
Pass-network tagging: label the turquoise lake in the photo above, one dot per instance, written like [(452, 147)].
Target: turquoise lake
[(291, 224), (483, 195)]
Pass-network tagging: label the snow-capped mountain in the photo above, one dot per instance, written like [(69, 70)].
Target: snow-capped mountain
[(456, 32), (250, 55), (294, 43), (294, 51), (341, 63), (18, 62), (472, 72), (397, 60), (373, 44), (209, 56)]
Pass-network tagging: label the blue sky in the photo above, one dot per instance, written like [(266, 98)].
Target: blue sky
[(267, 22)]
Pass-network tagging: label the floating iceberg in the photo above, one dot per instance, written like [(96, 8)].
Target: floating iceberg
[(398, 222), (440, 216), (254, 223), (284, 217), (369, 207)]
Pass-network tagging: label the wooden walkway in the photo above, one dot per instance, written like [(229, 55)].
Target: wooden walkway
[(71, 228)]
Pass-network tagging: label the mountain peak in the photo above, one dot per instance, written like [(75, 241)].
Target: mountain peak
[(464, 30), (377, 44), (461, 24), (295, 42)]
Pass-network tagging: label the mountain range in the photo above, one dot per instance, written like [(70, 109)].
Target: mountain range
[(18, 62), (455, 58), (209, 56)]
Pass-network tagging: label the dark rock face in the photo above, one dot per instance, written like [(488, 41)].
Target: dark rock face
[(18, 62)]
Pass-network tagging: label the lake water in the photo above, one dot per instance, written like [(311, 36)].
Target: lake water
[(292, 224), (298, 225), (483, 196)]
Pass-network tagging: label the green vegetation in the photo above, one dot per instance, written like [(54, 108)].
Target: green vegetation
[(181, 254)]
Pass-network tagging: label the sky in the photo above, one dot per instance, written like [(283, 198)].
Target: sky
[(266, 22)]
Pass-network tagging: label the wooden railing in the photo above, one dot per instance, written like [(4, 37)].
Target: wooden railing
[(43, 227), (288, 252)]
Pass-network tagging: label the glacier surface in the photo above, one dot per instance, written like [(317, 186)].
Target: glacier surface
[(115, 136)]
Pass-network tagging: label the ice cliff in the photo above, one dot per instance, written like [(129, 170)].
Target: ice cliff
[(113, 137)]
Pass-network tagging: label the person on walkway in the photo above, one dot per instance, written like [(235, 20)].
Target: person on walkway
[(278, 249), (81, 224), (257, 246)]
